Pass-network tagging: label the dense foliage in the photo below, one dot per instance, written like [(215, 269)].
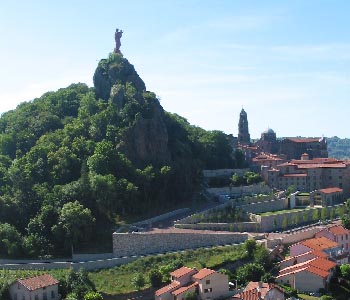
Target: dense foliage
[(338, 148), (75, 162)]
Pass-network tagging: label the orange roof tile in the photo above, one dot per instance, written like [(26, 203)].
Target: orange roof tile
[(317, 271), (323, 264), (203, 273), (37, 282), (184, 289), (303, 140), (168, 288), (338, 230), (319, 244), (331, 190), (251, 291), (181, 272)]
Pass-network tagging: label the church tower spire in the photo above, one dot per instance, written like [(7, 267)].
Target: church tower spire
[(243, 131)]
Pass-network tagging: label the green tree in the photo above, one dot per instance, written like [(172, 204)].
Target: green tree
[(138, 281), (10, 240), (284, 223), (262, 257), (250, 247), (345, 221), (75, 221), (324, 214), (93, 296), (345, 271), (191, 296), (155, 278), (315, 215), (250, 272), (305, 216), (268, 278)]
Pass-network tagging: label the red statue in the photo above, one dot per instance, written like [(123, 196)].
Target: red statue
[(117, 36)]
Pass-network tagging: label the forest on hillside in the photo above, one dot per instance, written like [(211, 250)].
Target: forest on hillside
[(77, 162), (338, 148)]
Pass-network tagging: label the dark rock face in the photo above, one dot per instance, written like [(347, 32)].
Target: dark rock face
[(145, 141), (115, 69)]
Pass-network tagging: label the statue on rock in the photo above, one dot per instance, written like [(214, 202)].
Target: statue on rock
[(117, 36)]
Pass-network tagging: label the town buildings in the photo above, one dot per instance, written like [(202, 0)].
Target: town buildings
[(312, 262), (205, 283), (43, 287)]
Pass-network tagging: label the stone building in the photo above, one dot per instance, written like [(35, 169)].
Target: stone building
[(205, 283), (243, 131), (310, 174), (43, 287)]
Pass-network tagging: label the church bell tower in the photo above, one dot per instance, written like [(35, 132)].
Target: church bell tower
[(243, 131)]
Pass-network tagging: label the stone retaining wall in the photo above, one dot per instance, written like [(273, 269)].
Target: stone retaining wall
[(139, 243), (87, 265), (90, 257), (273, 222)]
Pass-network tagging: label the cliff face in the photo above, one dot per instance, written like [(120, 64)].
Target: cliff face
[(145, 140)]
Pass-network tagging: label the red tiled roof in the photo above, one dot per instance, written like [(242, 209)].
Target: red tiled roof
[(317, 271), (320, 243), (331, 190), (181, 272), (251, 291), (37, 282), (203, 273), (315, 166), (168, 288), (184, 289), (338, 230), (303, 140)]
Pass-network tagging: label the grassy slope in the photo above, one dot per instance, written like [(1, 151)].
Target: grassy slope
[(118, 280)]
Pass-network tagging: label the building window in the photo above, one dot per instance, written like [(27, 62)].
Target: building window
[(36, 297), (53, 294), (207, 282), (44, 296), (208, 290)]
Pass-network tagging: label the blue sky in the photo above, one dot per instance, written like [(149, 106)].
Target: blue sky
[(286, 62)]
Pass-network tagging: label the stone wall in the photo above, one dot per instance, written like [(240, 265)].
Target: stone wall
[(89, 257), (87, 265), (140, 243), (275, 221)]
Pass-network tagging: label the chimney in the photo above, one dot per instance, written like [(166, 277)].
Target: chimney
[(260, 284)]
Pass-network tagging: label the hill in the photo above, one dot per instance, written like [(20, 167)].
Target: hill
[(76, 162), (338, 148)]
